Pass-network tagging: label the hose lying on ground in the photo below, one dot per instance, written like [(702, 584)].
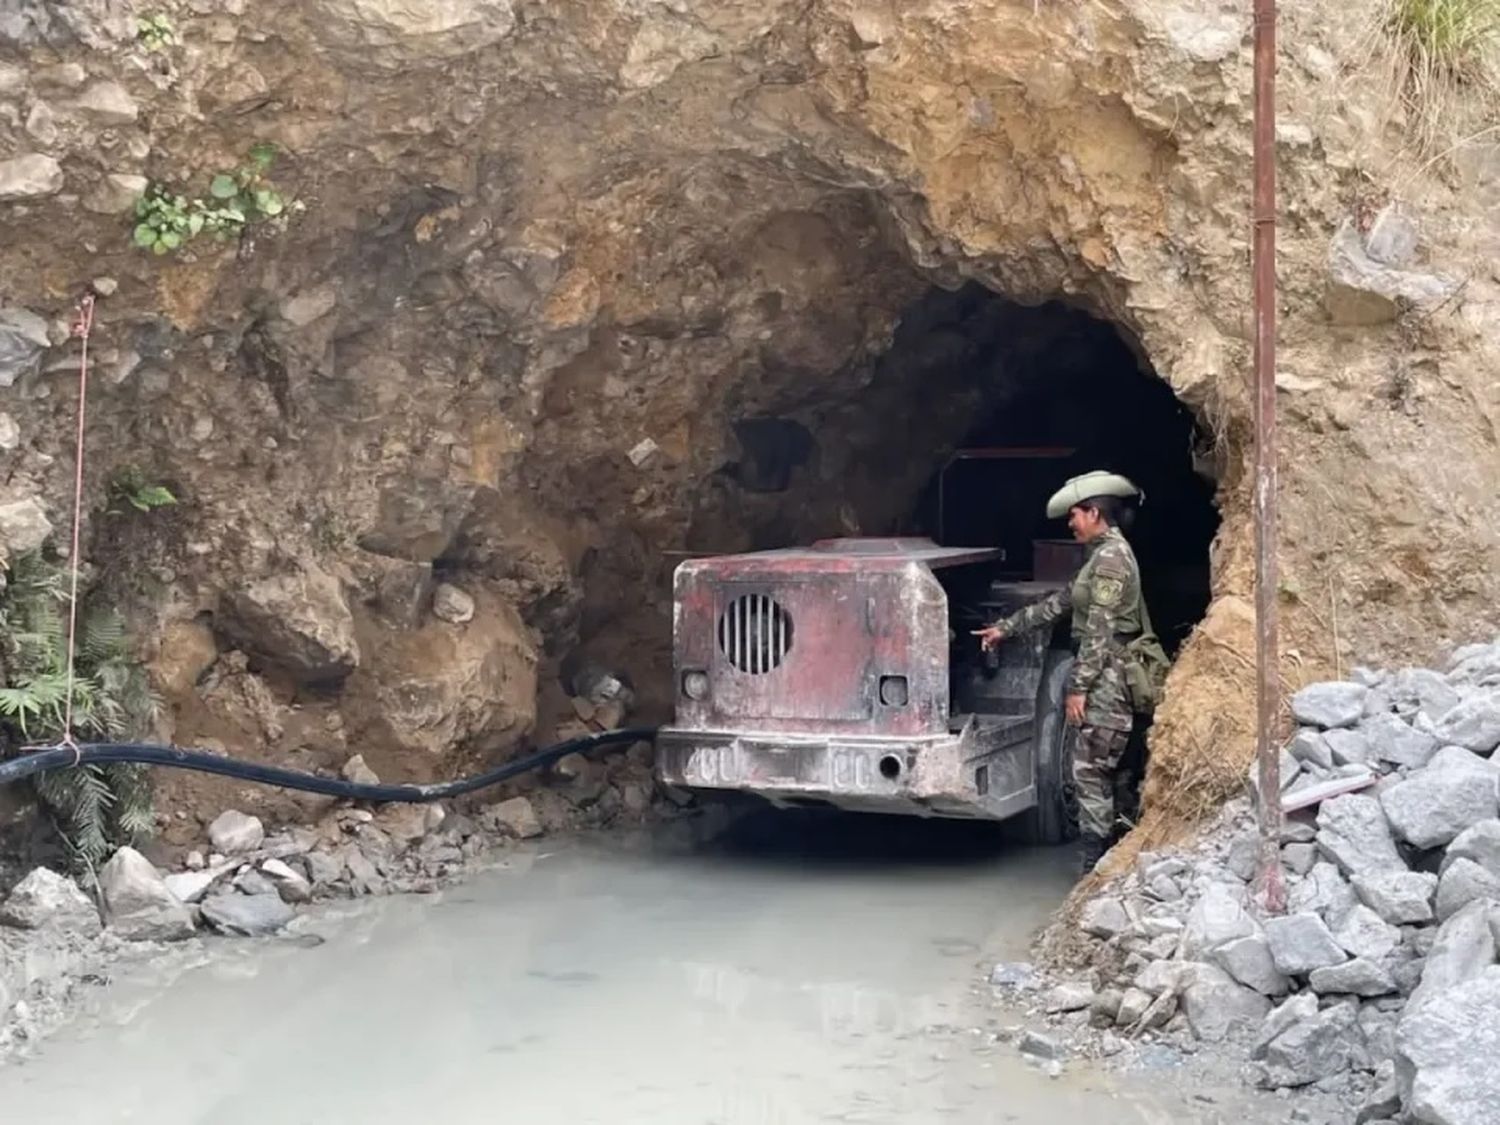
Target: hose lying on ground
[(62, 757)]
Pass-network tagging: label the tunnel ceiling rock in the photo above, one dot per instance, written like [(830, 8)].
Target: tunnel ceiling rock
[(536, 237)]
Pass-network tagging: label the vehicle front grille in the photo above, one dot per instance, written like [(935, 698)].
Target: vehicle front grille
[(755, 633)]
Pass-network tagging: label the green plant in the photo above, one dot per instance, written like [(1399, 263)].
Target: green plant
[(96, 807), (1447, 39), (129, 485), (155, 31), (165, 220)]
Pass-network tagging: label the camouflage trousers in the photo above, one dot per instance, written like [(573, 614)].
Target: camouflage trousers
[(1098, 782)]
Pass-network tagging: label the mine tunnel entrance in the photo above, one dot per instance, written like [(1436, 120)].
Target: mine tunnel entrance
[(1051, 392)]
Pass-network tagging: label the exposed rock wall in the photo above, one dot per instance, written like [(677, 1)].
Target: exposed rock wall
[(552, 252)]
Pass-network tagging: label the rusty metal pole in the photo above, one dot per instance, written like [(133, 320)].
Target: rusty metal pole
[(1263, 266)]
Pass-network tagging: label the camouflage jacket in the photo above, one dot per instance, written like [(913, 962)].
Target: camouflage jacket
[(1104, 599)]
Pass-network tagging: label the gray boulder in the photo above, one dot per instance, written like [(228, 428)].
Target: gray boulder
[(297, 621), (1310, 747), (1461, 883), (137, 903), (1303, 1006), (1361, 290), (1330, 705), (1354, 833), (23, 339), (1444, 1052), (1358, 977), (1401, 898), (1422, 689), (1217, 1007), (1391, 740), (1104, 918), (1474, 724), (1479, 842), (1363, 933), (1301, 943), (1325, 893), (246, 915), (1429, 809), (1248, 960), (233, 833), (1463, 949), (1347, 747), (1216, 918), (47, 900), (1321, 1046)]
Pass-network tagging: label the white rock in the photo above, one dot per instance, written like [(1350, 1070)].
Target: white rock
[(1358, 977), (1248, 960), (1322, 1046), (1443, 1055), (1312, 748), (115, 194), (403, 36), (1069, 998), (1217, 1007), (1401, 898), (1324, 892), (1330, 705), (356, 771), (31, 176), (1103, 917), (1479, 842), (47, 900), (1216, 918), (1347, 747), (1392, 237), (234, 833), (1301, 943), (137, 903), (1463, 949), (1296, 1009), (289, 884), (1432, 807), (452, 605), (1363, 933), (1461, 883), (191, 886), (1353, 832), (24, 527), (1361, 290), (1391, 740), (516, 817), (1474, 724), (1422, 689)]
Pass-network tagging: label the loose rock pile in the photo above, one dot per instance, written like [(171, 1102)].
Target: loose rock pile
[(1380, 981)]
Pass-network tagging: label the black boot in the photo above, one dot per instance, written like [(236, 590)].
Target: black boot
[(1092, 849)]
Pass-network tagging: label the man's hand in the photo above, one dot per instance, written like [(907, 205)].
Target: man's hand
[(989, 637), (1075, 705)]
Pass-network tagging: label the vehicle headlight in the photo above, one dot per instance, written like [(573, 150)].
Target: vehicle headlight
[(694, 685)]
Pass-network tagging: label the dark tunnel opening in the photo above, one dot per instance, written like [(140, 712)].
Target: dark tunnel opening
[(1054, 392)]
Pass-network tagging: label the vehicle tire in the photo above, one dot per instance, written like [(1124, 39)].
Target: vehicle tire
[(1052, 820)]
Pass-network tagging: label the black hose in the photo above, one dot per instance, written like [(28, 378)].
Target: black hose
[(62, 757)]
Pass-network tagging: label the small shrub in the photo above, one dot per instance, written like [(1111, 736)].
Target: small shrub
[(1454, 40), (95, 807), (165, 221), (156, 32), (130, 486)]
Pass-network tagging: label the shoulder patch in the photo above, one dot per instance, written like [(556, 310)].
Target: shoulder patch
[(1106, 590)]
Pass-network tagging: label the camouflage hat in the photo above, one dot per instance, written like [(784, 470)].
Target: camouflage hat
[(1081, 488)]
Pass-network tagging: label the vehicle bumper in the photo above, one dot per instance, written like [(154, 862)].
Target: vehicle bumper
[(924, 776)]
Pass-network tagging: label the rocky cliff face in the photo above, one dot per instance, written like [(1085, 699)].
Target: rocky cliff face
[(545, 261)]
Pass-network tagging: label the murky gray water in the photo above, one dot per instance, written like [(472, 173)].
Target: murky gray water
[(769, 977)]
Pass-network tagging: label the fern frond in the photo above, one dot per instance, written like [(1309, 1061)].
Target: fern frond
[(102, 638), (134, 812)]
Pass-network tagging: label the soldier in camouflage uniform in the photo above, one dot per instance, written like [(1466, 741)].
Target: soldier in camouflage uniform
[(1107, 612)]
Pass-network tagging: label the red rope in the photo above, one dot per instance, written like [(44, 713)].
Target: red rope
[(83, 324)]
